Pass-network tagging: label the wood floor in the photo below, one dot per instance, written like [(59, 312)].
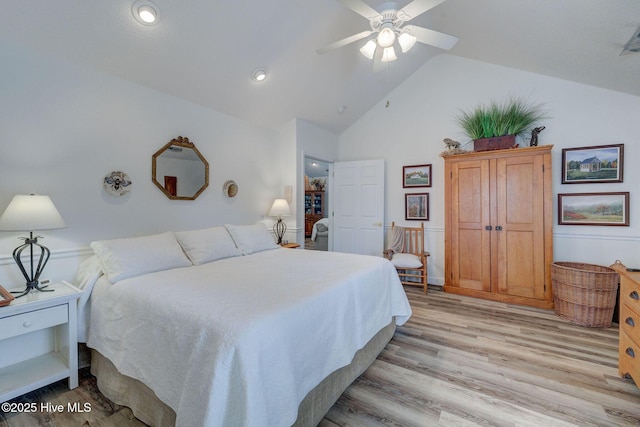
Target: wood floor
[(459, 361)]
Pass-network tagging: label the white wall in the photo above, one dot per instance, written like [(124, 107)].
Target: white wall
[(288, 160), (421, 113), (64, 127)]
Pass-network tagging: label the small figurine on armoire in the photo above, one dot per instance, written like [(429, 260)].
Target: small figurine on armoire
[(534, 136)]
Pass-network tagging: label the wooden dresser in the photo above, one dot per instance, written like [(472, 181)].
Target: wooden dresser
[(629, 351)]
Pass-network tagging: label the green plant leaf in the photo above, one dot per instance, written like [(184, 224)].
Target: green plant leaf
[(512, 117)]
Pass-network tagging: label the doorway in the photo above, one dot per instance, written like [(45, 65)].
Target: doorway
[(316, 204)]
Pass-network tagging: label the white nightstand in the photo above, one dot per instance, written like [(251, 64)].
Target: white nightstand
[(38, 340)]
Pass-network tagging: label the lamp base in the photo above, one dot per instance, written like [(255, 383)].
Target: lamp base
[(31, 287), (32, 279), (279, 228)]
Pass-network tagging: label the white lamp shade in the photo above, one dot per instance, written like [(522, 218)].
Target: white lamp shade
[(29, 213), (386, 37), (369, 49), (406, 41), (280, 208), (388, 54)]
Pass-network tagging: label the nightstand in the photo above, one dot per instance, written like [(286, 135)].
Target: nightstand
[(38, 340), (291, 245)]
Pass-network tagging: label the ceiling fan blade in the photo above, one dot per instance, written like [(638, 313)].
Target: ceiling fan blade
[(434, 38), (418, 7), (361, 8), (344, 42)]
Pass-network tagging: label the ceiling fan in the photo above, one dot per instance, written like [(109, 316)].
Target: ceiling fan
[(388, 23)]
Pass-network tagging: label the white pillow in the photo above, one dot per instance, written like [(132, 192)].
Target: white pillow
[(124, 258), (406, 261), (252, 238), (208, 244)]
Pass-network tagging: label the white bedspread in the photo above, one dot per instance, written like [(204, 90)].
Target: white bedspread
[(241, 341)]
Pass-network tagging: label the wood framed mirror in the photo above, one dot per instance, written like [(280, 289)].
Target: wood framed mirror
[(179, 170)]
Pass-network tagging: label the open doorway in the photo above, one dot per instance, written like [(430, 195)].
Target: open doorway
[(316, 206)]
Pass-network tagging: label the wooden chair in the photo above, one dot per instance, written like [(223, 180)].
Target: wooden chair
[(411, 261)]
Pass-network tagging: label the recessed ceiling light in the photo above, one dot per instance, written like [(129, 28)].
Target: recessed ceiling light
[(259, 74), (145, 12)]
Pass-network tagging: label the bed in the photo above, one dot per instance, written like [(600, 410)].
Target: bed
[(221, 326)]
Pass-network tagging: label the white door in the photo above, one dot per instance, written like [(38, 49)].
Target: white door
[(358, 207)]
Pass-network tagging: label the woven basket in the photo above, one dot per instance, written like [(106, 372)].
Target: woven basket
[(584, 294)]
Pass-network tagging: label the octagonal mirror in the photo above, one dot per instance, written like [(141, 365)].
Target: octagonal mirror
[(179, 170)]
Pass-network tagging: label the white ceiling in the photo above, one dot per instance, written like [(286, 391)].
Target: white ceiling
[(204, 51), (314, 168)]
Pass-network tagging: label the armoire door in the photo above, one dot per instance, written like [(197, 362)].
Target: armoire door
[(470, 215), (519, 226)]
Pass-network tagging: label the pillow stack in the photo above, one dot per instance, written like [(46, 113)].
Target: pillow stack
[(124, 258)]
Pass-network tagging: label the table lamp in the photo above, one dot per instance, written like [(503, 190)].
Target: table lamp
[(279, 209), (30, 213)]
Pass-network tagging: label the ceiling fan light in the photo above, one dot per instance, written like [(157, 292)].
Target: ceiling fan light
[(368, 49), (406, 41), (388, 54), (386, 37)]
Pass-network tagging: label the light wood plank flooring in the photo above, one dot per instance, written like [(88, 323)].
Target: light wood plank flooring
[(459, 361)]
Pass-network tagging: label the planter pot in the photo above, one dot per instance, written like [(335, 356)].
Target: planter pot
[(495, 143)]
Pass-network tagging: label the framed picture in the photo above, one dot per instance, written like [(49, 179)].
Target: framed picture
[(416, 176), (601, 163), (593, 209), (416, 206)]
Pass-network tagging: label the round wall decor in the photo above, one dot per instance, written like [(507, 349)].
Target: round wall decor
[(230, 188), (117, 183)]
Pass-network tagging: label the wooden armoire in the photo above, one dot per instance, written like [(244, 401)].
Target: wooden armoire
[(498, 225)]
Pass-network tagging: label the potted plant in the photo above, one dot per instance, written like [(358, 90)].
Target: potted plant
[(496, 126)]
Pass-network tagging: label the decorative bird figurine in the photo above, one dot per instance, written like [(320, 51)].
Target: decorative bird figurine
[(534, 136)]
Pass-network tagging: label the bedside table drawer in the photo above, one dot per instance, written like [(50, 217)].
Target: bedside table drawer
[(35, 320)]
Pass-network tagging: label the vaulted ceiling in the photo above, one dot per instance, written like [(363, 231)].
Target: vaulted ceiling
[(205, 51)]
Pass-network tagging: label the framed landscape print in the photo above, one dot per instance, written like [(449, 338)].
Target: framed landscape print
[(416, 206), (593, 209), (416, 176), (602, 163)]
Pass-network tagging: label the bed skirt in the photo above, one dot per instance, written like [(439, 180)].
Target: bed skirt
[(129, 392)]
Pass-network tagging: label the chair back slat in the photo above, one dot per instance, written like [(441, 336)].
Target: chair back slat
[(414, 239)]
